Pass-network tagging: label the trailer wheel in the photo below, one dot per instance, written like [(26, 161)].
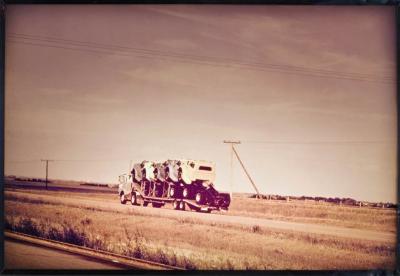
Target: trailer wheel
[(175, 204), (145, 203), (133, 198), (174, 192), (122, 198), (186, 192), (199, 197), (156, 205), (182, 206)]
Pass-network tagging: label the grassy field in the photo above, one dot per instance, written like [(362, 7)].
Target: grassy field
[(314, 212), (297, 211), (186, 243)]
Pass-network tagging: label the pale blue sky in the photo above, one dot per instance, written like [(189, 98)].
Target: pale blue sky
[(119, 106)]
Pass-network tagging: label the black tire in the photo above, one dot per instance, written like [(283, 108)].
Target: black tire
[(122, 198), (174, 192), (175, 205), (182, 206), (134, 198), (145, 203), (156, 205), (186, 193), (200, 198)]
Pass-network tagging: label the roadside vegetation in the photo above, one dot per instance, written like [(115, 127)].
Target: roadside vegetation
[(378, 219), (187, 243)]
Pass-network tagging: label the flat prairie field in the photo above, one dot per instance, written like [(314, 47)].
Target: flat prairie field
[(253, 234)]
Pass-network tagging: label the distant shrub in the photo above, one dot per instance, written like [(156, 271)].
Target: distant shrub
[(256, 229), (55, 234), (86, 221), (161, 257), (74, 236), (27, 226), (188, 264), (229, 265)]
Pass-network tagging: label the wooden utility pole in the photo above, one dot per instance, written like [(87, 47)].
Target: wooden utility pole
[(241, 163), (47, 169), (231, 172)]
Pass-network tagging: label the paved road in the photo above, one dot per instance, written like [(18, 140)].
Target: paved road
[(217, 218), (20, 255)]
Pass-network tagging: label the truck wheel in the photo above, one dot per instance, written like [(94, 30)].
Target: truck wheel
[(182, 206), (133, 199), (156, 205), (122, 198), (199, 198), (145, 203), (186, 192), (172, 192), (175, 204)]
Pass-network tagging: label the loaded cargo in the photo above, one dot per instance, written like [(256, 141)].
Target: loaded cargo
[(186, 184)]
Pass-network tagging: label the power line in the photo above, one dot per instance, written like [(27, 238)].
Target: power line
[(89, 160), (207, 63), (174, 54), (142, 50), (68, 160), (319, 142), (22, 161), (202, 60), (331, 73)]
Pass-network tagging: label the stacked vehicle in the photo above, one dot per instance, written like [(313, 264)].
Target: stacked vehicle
[(184, 183)]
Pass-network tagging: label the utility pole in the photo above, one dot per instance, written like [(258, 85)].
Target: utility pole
[(47, 168), (241, 163), (231, 172)]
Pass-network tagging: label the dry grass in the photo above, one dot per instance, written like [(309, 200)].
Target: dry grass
[(186, 243), (296, 211), (318, 213)]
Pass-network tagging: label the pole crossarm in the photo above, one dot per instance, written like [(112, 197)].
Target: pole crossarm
[(231, 142)]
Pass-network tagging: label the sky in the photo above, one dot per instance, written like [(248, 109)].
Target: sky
[(309, 91)]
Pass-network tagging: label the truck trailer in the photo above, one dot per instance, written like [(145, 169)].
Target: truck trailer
[(183, 183)]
